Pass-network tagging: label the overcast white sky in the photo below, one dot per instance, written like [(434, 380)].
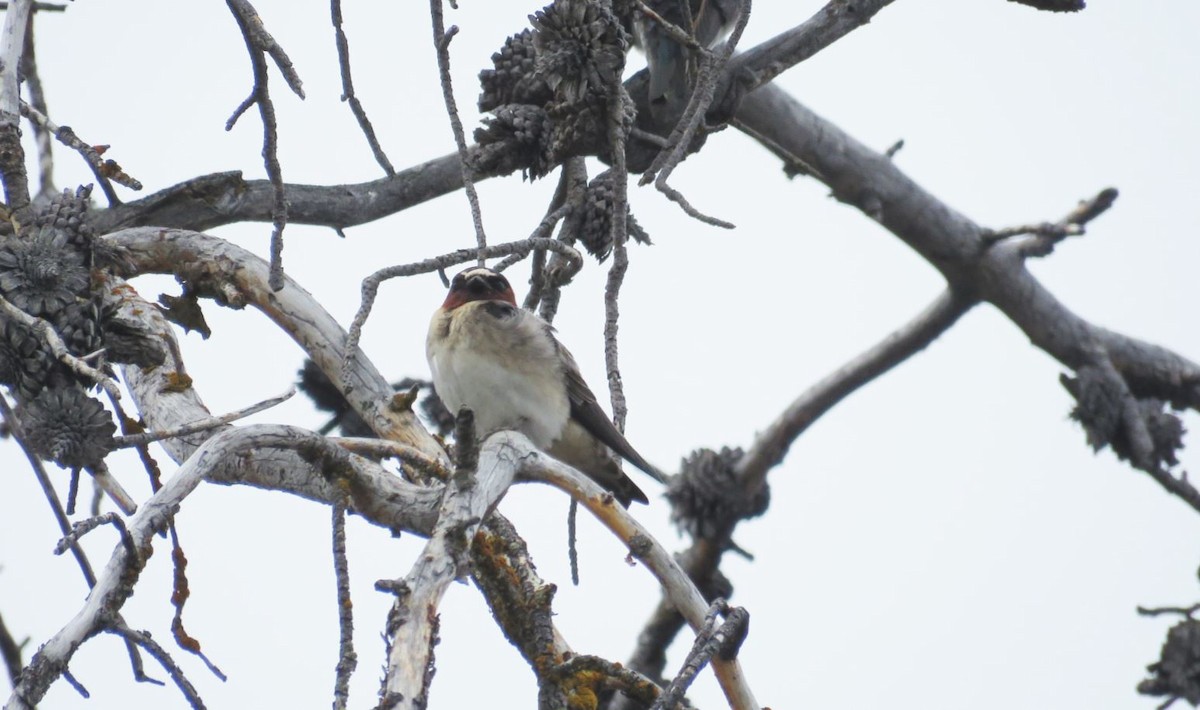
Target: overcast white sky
[(942, 539)]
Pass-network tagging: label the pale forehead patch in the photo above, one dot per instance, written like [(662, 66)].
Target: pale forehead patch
[(478, 271)]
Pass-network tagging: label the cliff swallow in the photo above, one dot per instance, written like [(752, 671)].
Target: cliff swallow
[(506, 364)]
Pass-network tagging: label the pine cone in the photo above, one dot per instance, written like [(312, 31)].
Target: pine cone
[(706, 498), (514, 139), (25, 363), (514, 79), (68, 427), (595, 226), (43, 273), (580, 48)]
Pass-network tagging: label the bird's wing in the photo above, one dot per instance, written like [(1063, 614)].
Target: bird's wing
[(586, 410)]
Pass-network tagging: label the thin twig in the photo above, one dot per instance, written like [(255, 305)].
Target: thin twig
[(558, 271), (59, 349), (160, 654), (617, 100), (712, 641), (382, 448), (711, 65), (347, 658), (1045, 236), (441, 43), (1157, 611), (83, 527), (105, 171), (348, 95), (122, 442), (370, 285)]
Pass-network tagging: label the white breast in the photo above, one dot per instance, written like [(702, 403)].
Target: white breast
[(506, 375)]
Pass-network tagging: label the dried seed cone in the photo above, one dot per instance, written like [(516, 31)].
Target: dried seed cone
[(595, 226), (706, 498), (514, 78), (68, 427)]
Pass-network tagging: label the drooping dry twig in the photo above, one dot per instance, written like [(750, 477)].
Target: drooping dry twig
[(347, 658), (617, 101), (772, 444), (121, 442), (348, 95), (441, 43), (260, 43)]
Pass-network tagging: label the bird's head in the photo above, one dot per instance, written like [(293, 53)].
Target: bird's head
[(478, 283)]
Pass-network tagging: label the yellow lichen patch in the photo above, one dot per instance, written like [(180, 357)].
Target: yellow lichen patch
[(177, 382)]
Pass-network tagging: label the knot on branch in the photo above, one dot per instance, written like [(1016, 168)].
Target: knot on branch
[(549, 89), (708, 500), (68, 427), (595, 224), (1177, 672), (1140, 431)]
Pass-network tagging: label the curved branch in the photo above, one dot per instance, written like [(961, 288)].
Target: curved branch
[(237, 278), (773, 443)]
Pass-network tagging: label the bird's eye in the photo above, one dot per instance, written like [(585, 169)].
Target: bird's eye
[(497, 284)]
